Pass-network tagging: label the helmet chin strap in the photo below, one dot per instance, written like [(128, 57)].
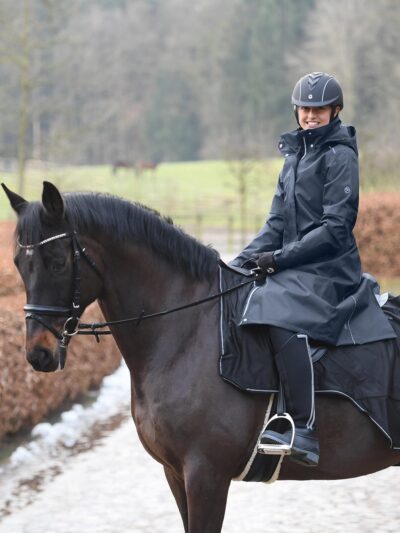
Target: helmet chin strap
[(334, 114), (296, 114)]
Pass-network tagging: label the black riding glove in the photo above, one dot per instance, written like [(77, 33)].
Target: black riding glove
[(266, 263)]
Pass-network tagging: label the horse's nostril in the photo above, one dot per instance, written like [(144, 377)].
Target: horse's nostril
[(42, 359)]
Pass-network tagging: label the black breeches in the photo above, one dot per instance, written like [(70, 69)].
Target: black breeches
[(279, 337)]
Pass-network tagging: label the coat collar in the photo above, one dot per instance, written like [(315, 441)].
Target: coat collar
[(333, 133)]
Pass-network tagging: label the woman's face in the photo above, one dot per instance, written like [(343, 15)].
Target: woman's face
[(314, 117)]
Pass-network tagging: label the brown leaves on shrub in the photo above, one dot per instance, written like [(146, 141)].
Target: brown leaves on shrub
[(26, 396), (378, 233)]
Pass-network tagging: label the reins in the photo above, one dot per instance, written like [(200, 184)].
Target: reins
[(72, 325), (94, 326)]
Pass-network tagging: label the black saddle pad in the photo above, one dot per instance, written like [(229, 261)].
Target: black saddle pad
[(368, 374)]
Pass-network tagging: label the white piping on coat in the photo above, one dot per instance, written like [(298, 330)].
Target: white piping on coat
[(305, 148), (253, 290), (311, 419), (350, 317)]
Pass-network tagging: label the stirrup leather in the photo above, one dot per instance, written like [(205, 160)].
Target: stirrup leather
[(278, 449)]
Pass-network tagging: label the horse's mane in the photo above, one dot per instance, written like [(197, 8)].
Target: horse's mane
[(125, 221)]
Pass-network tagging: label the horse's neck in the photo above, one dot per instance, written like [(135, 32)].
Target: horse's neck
[(139, 283)]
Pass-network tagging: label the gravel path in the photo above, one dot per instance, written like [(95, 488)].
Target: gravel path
[(115, 487)]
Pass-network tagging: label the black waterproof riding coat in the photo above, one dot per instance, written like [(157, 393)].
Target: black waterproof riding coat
[(319, 288)]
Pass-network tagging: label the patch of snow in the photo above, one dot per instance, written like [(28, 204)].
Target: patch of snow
[(114, 394)]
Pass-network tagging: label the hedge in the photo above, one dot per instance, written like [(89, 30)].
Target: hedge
[(26, 397)]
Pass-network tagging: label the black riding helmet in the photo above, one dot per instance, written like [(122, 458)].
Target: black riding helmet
[(317, 89)]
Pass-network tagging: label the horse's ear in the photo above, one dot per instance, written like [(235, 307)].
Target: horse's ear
[(16, 201), (52, 201)]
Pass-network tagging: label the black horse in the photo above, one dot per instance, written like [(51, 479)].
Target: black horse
[(197, 426)]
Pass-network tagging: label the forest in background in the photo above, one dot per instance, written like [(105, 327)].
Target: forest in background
[(97, 81)]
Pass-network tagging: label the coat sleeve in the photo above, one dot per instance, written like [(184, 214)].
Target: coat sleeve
[(269, 238), (340, 208)]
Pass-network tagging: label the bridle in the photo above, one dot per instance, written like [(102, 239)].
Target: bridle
[(72, 325), (73, 313)]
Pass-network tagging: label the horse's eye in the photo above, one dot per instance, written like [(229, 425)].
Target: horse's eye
[(58, 265)]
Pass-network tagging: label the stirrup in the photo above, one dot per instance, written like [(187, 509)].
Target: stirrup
[(277, 449)]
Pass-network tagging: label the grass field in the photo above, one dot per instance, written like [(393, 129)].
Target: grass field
[(184, 191), (200, 196), (206, 191)]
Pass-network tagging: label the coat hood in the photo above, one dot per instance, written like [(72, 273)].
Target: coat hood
[(330, 135)]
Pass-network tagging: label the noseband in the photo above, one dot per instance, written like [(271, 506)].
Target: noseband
[(73, 313)]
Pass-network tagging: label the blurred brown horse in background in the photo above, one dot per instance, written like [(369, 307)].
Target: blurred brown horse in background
[(138, 167)]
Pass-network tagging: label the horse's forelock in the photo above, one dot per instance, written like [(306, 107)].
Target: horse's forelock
[(29, 227)]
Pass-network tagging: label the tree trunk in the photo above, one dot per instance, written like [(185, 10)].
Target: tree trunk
[(25, 91)]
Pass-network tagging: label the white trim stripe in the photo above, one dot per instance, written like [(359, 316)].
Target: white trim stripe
[(328, 391), (323, 91), (305, 148), (350, 317), (221, 313), (311, 419), (253, 290)]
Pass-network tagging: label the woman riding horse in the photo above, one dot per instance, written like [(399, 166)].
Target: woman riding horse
[(76, 248), (314, 286)]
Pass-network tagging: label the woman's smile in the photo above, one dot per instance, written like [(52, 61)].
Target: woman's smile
[(314, 117), (312, 124)]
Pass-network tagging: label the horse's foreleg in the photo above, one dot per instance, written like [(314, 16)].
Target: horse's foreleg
[(206, 493), (178, 490)]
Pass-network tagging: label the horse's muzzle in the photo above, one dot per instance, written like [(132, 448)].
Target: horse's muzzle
[(44, 353), (43, 359), (46, 350)]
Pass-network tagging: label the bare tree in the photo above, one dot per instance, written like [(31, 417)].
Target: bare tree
[(28, 37), (15, 49), (358, 42)]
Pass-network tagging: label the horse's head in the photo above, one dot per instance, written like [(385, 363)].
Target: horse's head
[(48, 255)]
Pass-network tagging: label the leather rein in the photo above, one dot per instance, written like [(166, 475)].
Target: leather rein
[(72, 325)]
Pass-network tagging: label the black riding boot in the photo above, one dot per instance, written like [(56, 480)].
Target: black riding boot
[(294, 364)]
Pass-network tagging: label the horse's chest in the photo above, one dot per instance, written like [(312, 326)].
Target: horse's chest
[(157, 426)]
